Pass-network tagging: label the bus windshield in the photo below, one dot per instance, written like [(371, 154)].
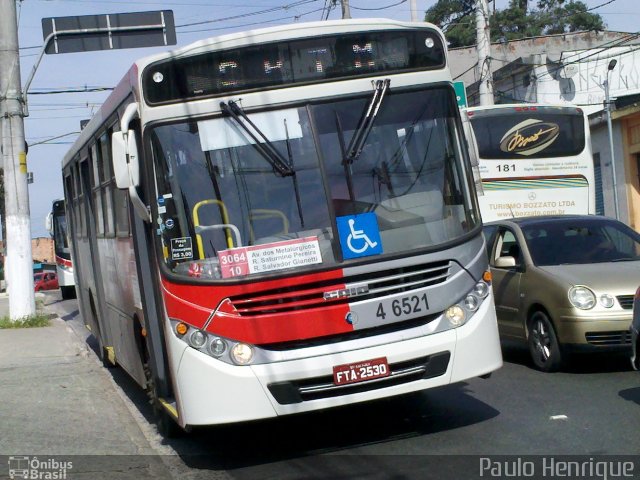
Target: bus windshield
[(220, 195), (60, 236)]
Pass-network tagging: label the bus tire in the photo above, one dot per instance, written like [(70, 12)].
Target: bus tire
[(543, 343), (166, 425)]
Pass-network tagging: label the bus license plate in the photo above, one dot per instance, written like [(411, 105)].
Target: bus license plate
[(361, 371)]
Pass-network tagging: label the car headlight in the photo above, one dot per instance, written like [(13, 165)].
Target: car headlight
[(606, 300), (582, 298)]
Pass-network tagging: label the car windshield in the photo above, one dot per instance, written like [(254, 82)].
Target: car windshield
[(581, 241), (275, 185)]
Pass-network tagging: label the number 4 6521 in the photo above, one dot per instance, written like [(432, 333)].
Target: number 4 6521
[(404, 306)]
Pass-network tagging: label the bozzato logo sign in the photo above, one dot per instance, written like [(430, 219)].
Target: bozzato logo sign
[(529, 137)]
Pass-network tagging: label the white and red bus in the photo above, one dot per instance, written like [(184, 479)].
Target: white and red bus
[(56, 224), (282, 221), (533, 160)]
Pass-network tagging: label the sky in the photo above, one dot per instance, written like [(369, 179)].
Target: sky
[(54, 118)]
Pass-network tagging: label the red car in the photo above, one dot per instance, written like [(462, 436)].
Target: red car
[(45, 281)]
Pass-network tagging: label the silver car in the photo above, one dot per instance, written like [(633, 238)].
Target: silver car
[(564, 283)]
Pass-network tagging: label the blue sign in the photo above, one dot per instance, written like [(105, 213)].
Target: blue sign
[(359, 235)]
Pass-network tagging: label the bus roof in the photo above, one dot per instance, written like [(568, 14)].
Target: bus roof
[(130, 83), (284, 32), (522, 107)]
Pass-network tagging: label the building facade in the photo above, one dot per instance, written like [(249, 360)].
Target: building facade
[(551, 70)]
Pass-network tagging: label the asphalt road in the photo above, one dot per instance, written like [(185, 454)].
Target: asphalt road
[(592, 408)]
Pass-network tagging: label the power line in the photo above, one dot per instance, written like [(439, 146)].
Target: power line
[(251, 14), (74, 90), (49, 140), (467, 70), (380, 8), (273, 20), (602, 49)]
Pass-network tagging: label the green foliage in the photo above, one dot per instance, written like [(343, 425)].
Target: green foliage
[(38, 320), (456, 18), (518, 20)]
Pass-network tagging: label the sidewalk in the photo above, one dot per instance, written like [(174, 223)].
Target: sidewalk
[(4, 303), (56, 399)]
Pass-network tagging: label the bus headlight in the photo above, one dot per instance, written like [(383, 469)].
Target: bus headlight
[(241, 353), (458, 314), (197, 339), (223, 349), (471, 302), (455, 314), (217, 347), (481, 289)]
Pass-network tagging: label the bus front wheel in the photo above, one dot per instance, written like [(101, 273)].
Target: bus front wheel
[(167, 426)]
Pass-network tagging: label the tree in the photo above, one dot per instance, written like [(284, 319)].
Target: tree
[(518, 20)]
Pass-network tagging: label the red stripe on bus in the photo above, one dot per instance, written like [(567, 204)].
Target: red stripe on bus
[(194, 304), (63, 261)]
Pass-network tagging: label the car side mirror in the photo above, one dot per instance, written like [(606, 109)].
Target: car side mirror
[(505, 262)]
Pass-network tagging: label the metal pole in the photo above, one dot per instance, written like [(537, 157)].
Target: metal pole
[(613, 159), (483, 46), (19, 262), (414, 11), (346, 12)]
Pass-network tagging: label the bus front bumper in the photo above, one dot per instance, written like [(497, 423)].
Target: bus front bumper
[(213, 392)]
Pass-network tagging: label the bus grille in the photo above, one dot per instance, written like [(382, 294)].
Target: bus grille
[(287, 393), (609, 339), (626, 301), (311, 295), (354, 335)]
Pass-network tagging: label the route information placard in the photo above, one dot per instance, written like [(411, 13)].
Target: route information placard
[(269, 257)]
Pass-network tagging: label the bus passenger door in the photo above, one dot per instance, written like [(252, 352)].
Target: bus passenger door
[(94, 289), (507, 275)]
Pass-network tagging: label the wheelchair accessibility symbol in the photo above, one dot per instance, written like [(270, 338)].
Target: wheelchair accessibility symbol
[(359, 235)]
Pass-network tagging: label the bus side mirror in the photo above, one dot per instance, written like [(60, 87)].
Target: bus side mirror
[(48, 223), (126, 167)]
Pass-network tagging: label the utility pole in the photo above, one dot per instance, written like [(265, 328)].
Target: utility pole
[(414, 11), (483, 46), (607, 107), (346, 13), (19, 262)]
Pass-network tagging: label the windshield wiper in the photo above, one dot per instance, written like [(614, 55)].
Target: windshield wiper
[(263, 145), (366, 122), (346, 166), (296, 188)]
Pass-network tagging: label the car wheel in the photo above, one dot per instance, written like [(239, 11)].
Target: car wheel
[(543, 343)]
